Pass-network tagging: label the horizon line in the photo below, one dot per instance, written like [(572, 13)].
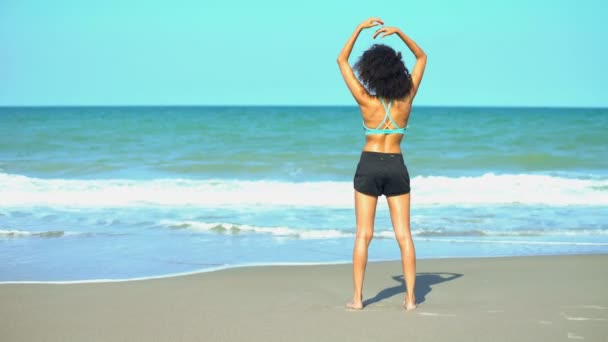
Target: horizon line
[(289, 105)]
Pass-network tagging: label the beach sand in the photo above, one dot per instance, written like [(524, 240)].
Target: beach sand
[(541, 298)]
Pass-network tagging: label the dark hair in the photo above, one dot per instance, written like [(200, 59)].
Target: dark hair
[(383, 73)]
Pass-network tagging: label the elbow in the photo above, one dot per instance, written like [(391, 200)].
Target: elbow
[(421, 55)]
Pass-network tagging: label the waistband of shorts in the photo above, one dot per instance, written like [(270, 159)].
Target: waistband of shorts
[(381, 155)]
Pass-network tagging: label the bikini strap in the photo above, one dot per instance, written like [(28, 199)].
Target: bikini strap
[(387, 108)]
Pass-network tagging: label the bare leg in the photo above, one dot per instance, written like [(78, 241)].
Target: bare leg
[(365, 209), (399, 207)]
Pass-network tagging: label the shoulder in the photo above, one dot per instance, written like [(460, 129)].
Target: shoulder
[(403, 103), (369, 102), (401, 107)]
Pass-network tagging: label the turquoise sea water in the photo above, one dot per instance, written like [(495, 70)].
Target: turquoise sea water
[(121, 192)]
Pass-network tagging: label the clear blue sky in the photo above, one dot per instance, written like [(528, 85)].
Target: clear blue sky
[(115, 52)]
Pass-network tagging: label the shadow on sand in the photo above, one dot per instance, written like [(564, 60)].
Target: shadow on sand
[(424, 283)]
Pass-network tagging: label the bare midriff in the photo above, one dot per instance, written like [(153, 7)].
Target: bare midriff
[(383, 143)]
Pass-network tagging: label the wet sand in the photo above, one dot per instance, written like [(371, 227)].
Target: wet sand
[(541, 298)]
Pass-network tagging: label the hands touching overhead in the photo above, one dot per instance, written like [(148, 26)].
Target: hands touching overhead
[(374, 21)]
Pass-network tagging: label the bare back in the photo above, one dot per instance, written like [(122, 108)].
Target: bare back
[(373, 114)]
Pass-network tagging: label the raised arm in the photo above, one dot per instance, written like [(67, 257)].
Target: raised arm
[(356, 88), (418, 70), (419, 66)]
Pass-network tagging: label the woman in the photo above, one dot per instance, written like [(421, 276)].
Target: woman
[(384, 93)]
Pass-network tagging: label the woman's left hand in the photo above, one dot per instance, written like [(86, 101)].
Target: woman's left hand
[(371, 22), (386, 30)]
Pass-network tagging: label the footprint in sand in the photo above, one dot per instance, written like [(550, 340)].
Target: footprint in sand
[(575, 318), (573, 336), (592, 306), (434, 314)]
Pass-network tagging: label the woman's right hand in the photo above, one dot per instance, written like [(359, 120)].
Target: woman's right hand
[(387, 31), (371, 22)]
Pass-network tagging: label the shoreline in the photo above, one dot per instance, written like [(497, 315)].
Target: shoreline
[(534, 298), (272, 264)]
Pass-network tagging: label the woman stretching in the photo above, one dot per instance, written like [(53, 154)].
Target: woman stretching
[(384, 91)]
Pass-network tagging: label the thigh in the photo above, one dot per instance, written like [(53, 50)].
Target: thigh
[(399, 207), (365, 210)]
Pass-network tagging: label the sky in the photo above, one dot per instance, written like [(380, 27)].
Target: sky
[(277, 52)]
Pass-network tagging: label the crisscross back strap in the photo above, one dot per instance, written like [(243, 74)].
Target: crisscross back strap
[(386, 124)]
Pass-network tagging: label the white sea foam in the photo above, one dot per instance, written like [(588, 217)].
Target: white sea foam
[(421, 234), (20, 233), (436, 235), (277, 231), (25, 233), (487, 189), (14, 232)]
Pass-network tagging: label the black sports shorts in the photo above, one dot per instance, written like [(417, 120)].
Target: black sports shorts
[(382, 174)]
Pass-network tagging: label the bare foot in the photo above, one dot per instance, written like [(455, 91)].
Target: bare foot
[(355, 305), (409, 305)]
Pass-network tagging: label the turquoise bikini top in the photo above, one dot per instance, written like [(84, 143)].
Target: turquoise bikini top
[(385, 124)]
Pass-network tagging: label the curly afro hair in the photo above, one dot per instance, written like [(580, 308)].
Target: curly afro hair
[(382, 71)]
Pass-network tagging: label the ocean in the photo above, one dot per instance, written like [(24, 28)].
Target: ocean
[(129, 192)]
